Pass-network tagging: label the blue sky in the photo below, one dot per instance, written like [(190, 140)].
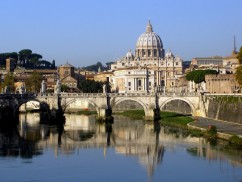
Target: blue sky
[(84, 32)]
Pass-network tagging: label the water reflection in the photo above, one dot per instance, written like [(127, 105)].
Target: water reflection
[(148, 142), (79, 128)]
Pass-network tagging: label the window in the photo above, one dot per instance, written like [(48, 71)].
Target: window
[(129, 83), (139, 83)]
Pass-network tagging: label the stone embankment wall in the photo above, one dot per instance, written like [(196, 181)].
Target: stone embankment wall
[(178, 106), (226, 108)]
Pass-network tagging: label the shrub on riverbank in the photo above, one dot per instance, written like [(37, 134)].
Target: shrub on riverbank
[(211, 134), (175, 119), (236, 141), (83, 112)]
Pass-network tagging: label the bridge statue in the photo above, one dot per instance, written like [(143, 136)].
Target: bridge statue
[(58, 87), (104, 88), (43, 87)]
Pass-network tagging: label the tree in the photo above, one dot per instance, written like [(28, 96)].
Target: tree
[(33, 83), (8, 81), (94, 67), (64, 88), (90, 86), (238, 75), (198, 76), (53, 64), (24, 55), (239, 56), (34, 59)]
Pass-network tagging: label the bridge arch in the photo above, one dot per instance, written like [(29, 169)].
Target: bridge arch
[(43, 106), (65, 104), (114, 104), (181, 105)]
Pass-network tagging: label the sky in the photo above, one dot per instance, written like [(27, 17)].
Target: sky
[(84, 32)]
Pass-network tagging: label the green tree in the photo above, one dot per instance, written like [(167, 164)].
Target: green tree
[(64, 88), (238, 75), (53, 64), (33, 83), (239, 56), (94, 67), (90, 86), (198, 76), (43, 64), (9, 82), (24, 55), (34, 59)]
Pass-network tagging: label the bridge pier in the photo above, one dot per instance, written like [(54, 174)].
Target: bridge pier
[(105, 112)]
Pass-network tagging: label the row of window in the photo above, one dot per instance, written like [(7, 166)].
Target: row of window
[(220, 79), (71, 85)]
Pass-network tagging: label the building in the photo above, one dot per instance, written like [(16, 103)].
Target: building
[(149, 69), (221, 83), (67, 76), (102, 76), (10, 65)]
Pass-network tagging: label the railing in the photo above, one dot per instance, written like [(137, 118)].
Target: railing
[(33, 95)]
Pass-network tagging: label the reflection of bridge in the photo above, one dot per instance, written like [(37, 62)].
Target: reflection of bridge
[(189, 104)]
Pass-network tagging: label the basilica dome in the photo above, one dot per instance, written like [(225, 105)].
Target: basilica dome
[(149, 45)]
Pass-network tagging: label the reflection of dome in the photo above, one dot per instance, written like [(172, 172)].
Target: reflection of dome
[(149, 44)]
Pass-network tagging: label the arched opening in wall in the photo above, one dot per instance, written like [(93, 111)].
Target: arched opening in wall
[(129, 106), (178, 106), (79, 105), (30, 106)]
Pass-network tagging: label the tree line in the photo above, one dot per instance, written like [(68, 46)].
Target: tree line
[(26, 58)]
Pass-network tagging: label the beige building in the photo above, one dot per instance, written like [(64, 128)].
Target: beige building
[(221, 83), (102, 76), (67, 75), (224, 65), (149, 70)]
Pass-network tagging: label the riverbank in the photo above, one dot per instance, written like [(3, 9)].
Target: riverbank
[(225, 130), (196, 126)]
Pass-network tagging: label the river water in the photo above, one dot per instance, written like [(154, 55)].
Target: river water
[(126, 150)]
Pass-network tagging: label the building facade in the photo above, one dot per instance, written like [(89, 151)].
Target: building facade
[(150, 69), (221, 83)]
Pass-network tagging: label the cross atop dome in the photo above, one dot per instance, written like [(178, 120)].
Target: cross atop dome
[(149, 27)]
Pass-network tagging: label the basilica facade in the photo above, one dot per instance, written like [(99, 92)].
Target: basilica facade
[(149, 69)]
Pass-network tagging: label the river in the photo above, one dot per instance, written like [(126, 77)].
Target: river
[(125, 150)]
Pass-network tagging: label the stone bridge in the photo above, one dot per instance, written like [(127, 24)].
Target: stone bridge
[(102, 102)]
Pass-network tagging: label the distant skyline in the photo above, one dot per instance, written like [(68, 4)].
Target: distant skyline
[(84, 32)]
